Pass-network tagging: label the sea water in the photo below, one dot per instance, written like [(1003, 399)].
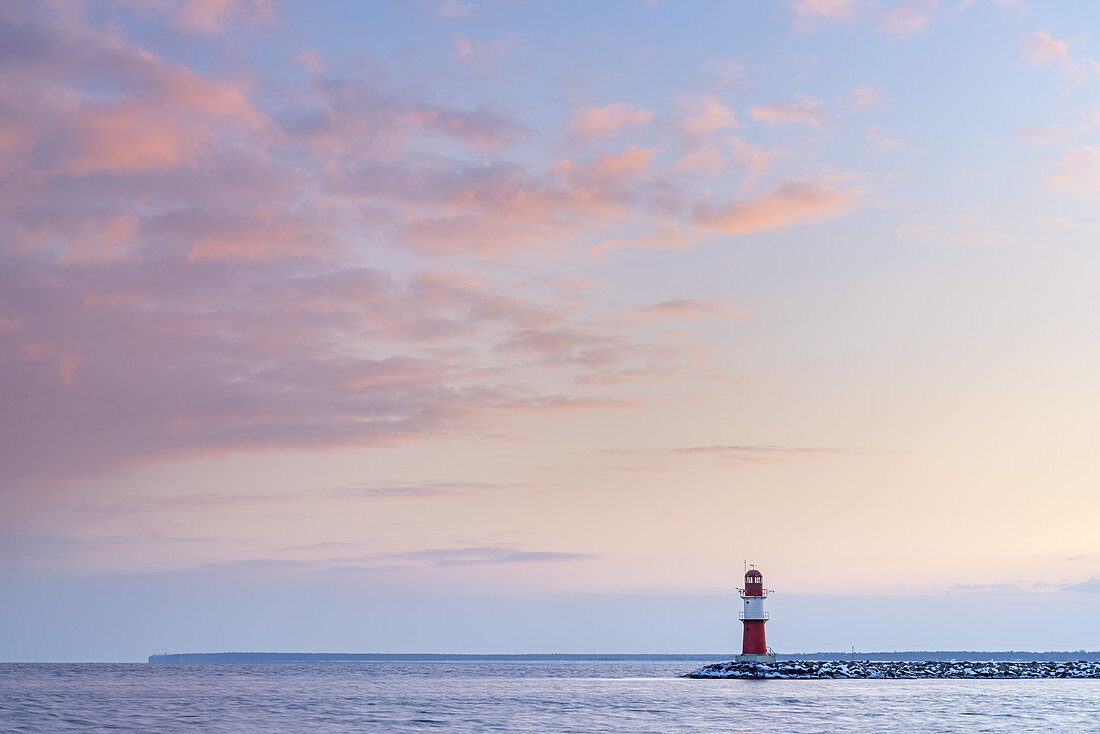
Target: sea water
[(517, 697)]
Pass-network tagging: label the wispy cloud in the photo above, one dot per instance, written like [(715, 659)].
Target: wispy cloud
[(213, 16), (1025, 586), (882, 139), (197, 260), (705, 115), (806, 112), (607, 121), (225, 502), (664, 238), (690, 308), (789, 204), (1039, 47), (908, 17), (1077, 171), (865, 97), (901, 18), (485, 555), (454, 8), (809, 12), (734, 455), (480, 51), (1092, 586), (1042, 134), (427, 490), (313, 557)]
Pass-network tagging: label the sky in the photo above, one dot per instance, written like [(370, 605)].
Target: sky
[(521, 326)]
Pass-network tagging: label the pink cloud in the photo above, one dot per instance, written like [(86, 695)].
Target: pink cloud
[(620, 168), (481, 129), (158, 115), (212, 16), (706, 159), (480, 51), (561, 344), (833, 10), (725, 154), (806, 112), (735, 455), (1041, 47), (1042, 134), (601, 353), (706, 115), (454, 8), (753, 158), (109, 238), (181, 259), (66, 367), (789, 204), (494, 210), (311, 61), (353, 118), (738, 455), (909, 17), (494, 213), (727, 72), (238, 204), (254, 235), (662, 238), (121, 138), (693, 309), (864, 97), (8, 324), (1077, 171), (222, 356), (206, 163), (899, 18), (153, 129), (607, 121), (567, 404), (64, 363), (881, 138), (489, 237)]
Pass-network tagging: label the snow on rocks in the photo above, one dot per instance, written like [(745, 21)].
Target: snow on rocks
[(898, 669)]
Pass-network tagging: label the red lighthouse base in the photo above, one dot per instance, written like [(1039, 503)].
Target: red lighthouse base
[(753, 642), (754, 647)]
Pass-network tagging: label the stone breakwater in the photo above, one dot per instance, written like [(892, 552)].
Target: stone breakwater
[(801, 669)]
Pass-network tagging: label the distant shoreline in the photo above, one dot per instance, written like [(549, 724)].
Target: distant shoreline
[(370, 657), (328, 657)]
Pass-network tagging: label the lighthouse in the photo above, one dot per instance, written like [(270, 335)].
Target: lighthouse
[(754, 648)]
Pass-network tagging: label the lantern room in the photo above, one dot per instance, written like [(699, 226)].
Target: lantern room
[(754, 583)]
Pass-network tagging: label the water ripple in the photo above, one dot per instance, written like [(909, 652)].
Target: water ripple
[(517, 697)]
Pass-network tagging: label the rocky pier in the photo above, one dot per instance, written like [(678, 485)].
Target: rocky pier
[(820, 669)]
